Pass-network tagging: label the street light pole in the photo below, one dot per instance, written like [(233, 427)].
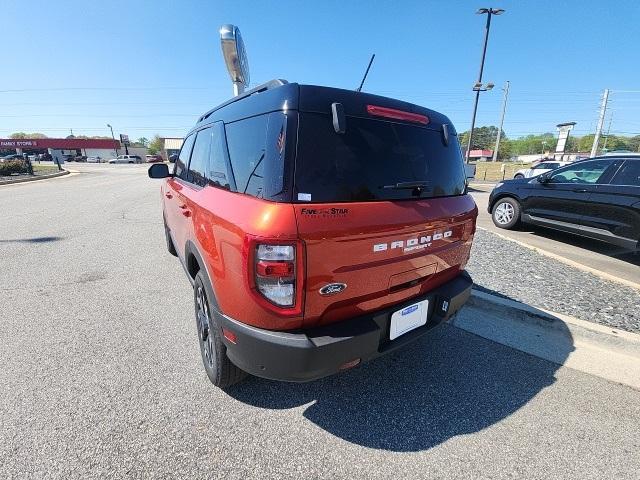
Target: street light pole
[(489, 12), (115, 150)]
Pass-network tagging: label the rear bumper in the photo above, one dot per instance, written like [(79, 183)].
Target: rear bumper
[(318, 352)]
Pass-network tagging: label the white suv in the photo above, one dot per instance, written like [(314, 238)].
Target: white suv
[(126, 159), (542, 167)]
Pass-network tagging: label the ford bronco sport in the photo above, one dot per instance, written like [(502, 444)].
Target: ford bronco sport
[(320, 228)]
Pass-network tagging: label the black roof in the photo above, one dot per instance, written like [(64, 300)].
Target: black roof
[(279, 95)]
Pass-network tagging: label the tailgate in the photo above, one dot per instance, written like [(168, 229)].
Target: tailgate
[(384, 252)]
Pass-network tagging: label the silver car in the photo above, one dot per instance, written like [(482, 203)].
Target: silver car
[(542, 167)]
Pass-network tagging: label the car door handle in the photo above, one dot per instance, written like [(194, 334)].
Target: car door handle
[(579, 190), (168, 195), (185, 212)]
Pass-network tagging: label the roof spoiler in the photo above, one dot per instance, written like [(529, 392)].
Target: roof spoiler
[(270, 85)]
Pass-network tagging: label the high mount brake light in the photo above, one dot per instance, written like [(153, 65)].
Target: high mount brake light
[(378, 111)]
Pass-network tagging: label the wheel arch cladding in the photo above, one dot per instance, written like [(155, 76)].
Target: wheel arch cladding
[(195, 263)]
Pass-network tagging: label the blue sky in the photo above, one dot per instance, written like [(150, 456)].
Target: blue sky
[(153, 67)]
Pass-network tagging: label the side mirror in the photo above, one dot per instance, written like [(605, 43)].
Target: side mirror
[(159, 170), (173, 158), (544, 178)]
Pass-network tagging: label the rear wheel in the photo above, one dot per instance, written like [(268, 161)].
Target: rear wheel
[(219, 368), (506, 213), (518, 175)]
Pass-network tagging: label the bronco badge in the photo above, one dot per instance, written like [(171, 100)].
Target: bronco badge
[(332, 288)]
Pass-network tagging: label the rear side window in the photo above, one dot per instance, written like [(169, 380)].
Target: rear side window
[(629, 174), (183, 159), (200, 158), (256, 151), (372, 159), (218, 171), (246, 140)]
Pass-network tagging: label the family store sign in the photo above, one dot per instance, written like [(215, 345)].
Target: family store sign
[(18, 143)]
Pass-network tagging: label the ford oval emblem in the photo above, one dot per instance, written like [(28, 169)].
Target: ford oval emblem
[(332, 288)]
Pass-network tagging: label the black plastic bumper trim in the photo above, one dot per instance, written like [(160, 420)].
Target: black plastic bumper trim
[(321, 351)]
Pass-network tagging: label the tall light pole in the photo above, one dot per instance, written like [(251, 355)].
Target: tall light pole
[(115, 150), (504, 109), (478, 86)]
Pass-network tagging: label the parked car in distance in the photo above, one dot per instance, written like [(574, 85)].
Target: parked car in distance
[(153, 158), (126, 159), (320, 235), (94, 159), (597, 198), (11, 156), (540, 168)]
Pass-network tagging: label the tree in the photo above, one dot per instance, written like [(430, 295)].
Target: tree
[(505, 149), (156, 145), (532, 144), (633, 143), (484, 138), (144, 141), (19, 135)]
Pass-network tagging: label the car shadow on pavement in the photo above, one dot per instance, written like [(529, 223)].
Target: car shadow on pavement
[(32, 240), (620, 253), (446, 384)]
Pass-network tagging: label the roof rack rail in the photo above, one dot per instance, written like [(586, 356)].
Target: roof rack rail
[(271, 84)]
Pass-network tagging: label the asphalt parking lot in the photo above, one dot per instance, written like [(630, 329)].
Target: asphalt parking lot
[(102, 374)]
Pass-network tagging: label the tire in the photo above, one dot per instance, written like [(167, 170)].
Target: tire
[(506, 213), (519, 175), (129, 162), (219, 368), (171, 248)]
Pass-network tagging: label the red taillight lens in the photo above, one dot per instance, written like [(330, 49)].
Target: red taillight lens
[(275, 273), (275, 269), (396, 114)]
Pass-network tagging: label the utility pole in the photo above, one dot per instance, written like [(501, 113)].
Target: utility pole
[(504, 109), (114, 140), (603, 111)]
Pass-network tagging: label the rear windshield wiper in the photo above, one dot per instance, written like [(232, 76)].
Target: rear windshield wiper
[(408, 186)]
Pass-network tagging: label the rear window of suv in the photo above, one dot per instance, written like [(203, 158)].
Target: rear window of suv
[(372, 154)]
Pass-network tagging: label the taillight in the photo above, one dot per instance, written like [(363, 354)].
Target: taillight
[(275, 273), (378, 111)]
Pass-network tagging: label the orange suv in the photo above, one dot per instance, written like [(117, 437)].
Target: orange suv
[(320, 228)]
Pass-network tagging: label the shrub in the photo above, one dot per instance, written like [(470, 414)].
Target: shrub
[(12, 166)]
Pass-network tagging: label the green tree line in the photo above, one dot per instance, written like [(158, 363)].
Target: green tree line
[(485, 138)]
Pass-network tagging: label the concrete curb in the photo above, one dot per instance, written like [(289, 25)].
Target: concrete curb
[(585, 346), (34, 178)]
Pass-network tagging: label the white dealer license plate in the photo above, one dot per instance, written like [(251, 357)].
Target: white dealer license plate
[(408, 318)]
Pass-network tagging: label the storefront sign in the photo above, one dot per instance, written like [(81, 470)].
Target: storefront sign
[(18, 143)]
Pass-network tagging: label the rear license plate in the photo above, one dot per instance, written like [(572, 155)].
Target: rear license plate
[(408, 318)]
